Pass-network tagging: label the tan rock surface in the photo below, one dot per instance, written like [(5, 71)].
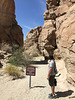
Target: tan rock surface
[(61, 10), (8, 24), (7, 13), (47, 38), (58, 34), (66, 41), (31, 42)]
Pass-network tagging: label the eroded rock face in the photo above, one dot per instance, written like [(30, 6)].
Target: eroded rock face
[(10, 32), (62, 12), (66, 41), (58, 34), (31, 42), (7, 12), (47, 38)]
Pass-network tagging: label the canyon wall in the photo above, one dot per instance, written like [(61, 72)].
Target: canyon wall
[(10, 32), (11, 35), (57, 35), (65, 36)]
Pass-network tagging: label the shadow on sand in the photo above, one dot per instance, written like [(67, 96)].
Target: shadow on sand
[(39, 62), (64, 94), (38, 87)]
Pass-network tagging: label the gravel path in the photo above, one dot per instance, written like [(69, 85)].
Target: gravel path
[(19, 89)]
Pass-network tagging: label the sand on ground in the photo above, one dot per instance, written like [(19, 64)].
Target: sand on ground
[(40, 89)]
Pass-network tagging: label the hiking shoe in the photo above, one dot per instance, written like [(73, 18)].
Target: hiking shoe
[(52, 96)]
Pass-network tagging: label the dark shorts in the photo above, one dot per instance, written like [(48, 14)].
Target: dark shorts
[(52, 81)]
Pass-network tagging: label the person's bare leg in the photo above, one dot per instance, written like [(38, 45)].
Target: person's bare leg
[(52, 88)]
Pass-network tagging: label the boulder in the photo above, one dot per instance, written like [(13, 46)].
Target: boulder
[(47, 38)]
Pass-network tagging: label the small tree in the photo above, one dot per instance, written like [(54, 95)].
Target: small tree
[(18, 58)]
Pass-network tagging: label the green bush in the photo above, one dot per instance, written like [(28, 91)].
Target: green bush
[(13, 71), (18, 58)]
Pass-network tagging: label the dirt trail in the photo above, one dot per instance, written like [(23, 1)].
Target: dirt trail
[(19, 89)]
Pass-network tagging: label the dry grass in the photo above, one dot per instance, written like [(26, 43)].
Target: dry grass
[(13, 71)]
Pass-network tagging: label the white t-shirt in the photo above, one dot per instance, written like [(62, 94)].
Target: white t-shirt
[(51, 64)]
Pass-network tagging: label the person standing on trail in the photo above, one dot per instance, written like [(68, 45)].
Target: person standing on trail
[(51, 75)]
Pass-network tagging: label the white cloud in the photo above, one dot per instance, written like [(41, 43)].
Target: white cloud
[(27, 27)]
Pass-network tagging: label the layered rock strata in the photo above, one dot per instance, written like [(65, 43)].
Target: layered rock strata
[(10, 32)]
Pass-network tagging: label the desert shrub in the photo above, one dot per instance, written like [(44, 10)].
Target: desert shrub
[(13, 71), (18, 58)]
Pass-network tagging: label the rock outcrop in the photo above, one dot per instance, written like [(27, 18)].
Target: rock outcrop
[(31, 42), (66, 41), (58, 34), (10, 32), (62, 13), (11, 35), (47, 38)]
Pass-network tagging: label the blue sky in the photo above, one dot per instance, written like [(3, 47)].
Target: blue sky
[(29, 14)]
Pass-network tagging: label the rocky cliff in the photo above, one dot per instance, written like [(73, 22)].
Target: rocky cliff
[(62, 12), (10, 32), (31, 42), (65, 36), (58, 34)]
